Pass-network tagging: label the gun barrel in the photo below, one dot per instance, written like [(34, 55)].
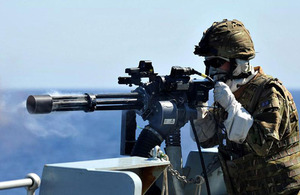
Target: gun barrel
[(43, 104), (119, 95)]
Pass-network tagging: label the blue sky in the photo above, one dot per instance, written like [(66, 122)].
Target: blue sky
[(89, 43)]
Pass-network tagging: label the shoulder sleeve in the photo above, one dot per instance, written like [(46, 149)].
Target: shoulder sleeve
[(270, 120)]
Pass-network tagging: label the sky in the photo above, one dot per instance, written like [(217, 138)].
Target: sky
[(54, 44)]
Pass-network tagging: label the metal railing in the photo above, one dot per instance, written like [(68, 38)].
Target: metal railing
[(31, 182)]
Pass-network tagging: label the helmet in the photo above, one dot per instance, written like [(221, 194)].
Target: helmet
[(229, 39)]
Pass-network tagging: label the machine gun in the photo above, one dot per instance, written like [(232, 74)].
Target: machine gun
[(167, 102)]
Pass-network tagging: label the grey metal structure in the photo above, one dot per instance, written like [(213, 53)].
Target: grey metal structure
[(214, 171), (126, 176)]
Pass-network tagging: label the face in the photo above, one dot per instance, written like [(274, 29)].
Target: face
[(225, 67), (218, 68)]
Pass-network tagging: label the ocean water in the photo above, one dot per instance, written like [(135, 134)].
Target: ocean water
[(28, 142)]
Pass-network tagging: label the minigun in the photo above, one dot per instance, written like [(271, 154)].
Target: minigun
[(166, 102)]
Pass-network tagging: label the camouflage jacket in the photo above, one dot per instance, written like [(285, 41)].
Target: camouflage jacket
[(268, 162)]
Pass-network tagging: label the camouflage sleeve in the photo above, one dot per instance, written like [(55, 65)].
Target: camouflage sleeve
[(270, 119)]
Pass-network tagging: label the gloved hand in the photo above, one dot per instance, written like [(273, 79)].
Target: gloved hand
[(223, 95), (239, 121)]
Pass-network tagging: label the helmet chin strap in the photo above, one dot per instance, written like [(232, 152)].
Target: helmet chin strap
[(233, 66)]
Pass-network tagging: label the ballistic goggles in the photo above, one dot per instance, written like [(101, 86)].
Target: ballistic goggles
[(215, 61)]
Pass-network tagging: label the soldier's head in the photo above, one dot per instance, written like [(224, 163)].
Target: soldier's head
[(227, 48)]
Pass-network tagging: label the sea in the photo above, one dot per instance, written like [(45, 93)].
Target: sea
[(28, 142)]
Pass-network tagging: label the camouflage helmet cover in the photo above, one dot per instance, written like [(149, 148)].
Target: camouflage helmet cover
[(229, 39)]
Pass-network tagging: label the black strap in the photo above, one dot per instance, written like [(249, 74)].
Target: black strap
[(201, 157)]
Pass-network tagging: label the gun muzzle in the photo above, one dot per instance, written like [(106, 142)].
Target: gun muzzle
[(43, 104), (39, 104)]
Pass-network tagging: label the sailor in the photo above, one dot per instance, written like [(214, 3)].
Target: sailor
[(253, 120)]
